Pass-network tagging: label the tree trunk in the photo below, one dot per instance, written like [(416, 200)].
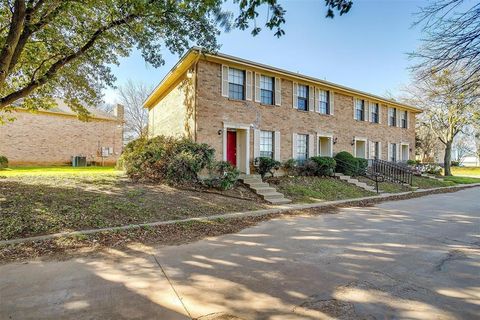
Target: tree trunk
[(448, 158)]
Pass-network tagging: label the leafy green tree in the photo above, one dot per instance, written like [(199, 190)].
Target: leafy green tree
[(65, 48)]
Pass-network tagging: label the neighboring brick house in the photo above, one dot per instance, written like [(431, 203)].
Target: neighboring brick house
[(53, 136), (245, 110)]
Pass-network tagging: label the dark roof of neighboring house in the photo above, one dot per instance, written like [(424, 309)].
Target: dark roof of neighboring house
[(63, 109)]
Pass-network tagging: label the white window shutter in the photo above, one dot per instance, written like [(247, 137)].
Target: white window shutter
[(366, 110), (406, 116), (257, 87), (256, 143), (294, 145), (399, 120), (276, 145), (371, 148), (370, 111), (399, 156), (380, 150), (311, 145), (317, 141), (248, 85), (311, 98), (225, 81), (295, 95), (278, 91), (379, 113), (331, 96), (317, 100), (354, 113), (389, 151)]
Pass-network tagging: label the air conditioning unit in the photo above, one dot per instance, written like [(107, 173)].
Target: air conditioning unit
[(79, 161)]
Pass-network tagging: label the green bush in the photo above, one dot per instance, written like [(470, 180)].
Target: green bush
[(168, 159), (267, 165), (346, 163), (362, 165), (307, 168), (290, 167), (411, 162), (325, 165), (3, 162), (223, 176)]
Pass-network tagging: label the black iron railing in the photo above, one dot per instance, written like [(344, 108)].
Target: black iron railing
[(391, 171)]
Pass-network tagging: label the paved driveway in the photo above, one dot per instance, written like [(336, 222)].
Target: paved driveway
[(411, 259)]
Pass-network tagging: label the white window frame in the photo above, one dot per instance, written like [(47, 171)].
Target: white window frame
[(365, 156), (330, 138), (297, 145), (262, 144)]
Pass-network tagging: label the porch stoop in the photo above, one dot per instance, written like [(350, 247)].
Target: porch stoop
[(263, 189)]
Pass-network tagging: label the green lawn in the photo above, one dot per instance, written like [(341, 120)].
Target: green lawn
[(386, 186), (428, 183), (466, 171), (462, 180), (316, 189), (43, 200)]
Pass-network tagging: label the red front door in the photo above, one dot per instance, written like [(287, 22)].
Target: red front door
[(232, 147)]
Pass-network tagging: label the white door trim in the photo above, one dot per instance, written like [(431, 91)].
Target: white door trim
[(241, 126)]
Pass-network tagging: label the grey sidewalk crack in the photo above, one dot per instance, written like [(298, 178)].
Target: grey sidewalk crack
[(172, 286)]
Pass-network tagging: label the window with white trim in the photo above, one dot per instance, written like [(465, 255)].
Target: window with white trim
[(266, 90), (302, 148), (392, 117), (376, 150), (403, 119), (266, 144), (323, 102), (302, 97), (236, 84), (359, 109), (393, 152), (375, 114)]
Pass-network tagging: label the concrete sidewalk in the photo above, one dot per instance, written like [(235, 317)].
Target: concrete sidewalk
[(415, 259)]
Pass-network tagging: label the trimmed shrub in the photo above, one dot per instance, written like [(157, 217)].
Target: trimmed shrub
[(325, 165), (167, 159), (362, 165), (223, 176), (267, 165), (290, 167), (412, 162), (346, 163), (3, 162), (307, 168)]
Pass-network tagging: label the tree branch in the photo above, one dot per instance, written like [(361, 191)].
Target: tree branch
[(52, 71), (16, 26)]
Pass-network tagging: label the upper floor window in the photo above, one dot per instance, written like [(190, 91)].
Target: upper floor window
[(302, 96), (266, 144), (359, 109), (404, 119), (236, 84), (392, 117), (266, 89), (375, 112), (302, 148), (323, 102)]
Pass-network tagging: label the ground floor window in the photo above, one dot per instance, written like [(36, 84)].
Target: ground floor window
[(266, 144), (302, 147), (393, 152), (376, 151)]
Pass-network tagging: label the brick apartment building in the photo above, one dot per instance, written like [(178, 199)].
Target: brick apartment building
[(245, 110), (53, 136)]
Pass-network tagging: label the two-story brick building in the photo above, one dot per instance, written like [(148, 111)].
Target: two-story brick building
[(245, 110)]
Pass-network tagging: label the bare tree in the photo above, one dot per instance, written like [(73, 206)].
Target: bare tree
[(131, 96), (449, 106), (452, 41)]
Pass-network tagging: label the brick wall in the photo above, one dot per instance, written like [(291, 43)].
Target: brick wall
[(213, 110), (173, 114), (47, 138)]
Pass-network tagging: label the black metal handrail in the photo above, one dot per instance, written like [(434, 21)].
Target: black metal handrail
[(391, 171)]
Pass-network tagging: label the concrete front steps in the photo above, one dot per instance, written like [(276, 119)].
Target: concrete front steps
[(354, 181), (263, 189)]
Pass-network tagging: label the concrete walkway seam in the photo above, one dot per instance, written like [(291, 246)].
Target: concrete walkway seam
[(256, 213)]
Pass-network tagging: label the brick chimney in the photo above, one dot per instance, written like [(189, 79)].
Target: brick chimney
[(119, 112)]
